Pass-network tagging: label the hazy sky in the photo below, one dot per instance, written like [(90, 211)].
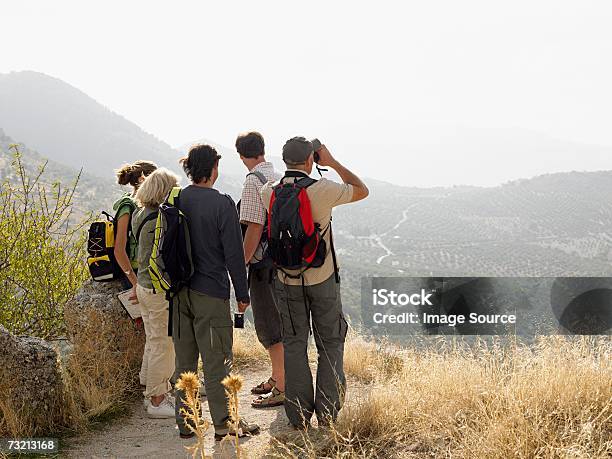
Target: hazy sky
[(380, 82)]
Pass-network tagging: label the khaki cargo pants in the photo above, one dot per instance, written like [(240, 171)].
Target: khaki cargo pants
[(202, 326), (297, 306), (158, 358)]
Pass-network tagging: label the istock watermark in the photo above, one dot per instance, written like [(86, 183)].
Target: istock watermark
[(384, 297), (525, 306)]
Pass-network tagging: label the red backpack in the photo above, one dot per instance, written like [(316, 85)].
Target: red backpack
[(295, 241)]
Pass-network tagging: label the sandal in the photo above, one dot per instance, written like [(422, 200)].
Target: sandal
[(274, 398), (260, 389)]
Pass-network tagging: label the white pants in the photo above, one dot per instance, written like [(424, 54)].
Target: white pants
[(158, 359)]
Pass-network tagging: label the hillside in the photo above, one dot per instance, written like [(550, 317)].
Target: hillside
[(92, 193), (552, 225), (70, 127)]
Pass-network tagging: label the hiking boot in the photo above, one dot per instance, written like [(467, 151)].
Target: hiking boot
[(164, 410), (245, 429), (274, 398)]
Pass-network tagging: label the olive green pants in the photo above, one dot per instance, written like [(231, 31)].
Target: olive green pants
[(321, 306), (202, 326)]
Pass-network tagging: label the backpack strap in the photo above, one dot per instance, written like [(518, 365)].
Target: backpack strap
[(296, 174), (262, 178), (126, 201), (148, 218), (174, 197), (333, 252), (108, 216), (302, 179)]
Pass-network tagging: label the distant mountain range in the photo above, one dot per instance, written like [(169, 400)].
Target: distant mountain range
[(552, 225), (70, 127)]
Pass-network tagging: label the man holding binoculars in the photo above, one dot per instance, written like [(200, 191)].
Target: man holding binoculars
[(310, 294)]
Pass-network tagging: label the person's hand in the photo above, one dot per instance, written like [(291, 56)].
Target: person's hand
[(325, 157), (242, 306), (133, 297)]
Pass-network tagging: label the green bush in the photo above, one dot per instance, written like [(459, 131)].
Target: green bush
[(42, 250)]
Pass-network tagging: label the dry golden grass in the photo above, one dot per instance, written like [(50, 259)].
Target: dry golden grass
[(550, 400), (102, 371), (23, 415), (364, 359), (247, 350), (23, 420), (367, 360)]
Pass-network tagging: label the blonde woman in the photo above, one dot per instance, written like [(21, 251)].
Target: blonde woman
[(153, 305)]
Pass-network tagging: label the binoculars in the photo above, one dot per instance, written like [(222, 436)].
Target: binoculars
[(316, 145)]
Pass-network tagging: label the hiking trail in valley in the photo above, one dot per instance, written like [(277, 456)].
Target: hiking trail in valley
[(378, 238)]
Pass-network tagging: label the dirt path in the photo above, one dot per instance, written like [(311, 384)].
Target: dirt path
[(139, 436)]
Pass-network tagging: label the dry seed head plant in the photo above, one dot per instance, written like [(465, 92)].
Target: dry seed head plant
[(233, 384), (189, 383)]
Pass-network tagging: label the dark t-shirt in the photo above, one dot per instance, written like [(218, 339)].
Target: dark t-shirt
[(216, 242)]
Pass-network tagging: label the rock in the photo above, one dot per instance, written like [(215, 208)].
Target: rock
[(100, 297), (30, 378)]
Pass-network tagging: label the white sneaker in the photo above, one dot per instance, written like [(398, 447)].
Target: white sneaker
[(147, 400), (164, 410)]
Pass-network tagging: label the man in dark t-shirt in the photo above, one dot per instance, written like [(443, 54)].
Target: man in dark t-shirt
[(216, 243), (201, 318)]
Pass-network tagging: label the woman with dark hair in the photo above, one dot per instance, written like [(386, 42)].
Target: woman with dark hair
[(124, 207), (201, 317)]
